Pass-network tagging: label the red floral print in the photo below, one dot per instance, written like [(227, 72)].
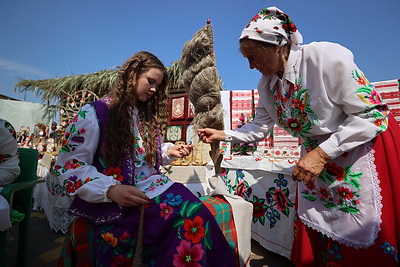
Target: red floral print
[(335, 170), (77, 184), (280, 199), (362, 80), (69, 187), (375, 98), (255, 18), (124, 236), (380, 122), (294, 124), (310, 185), (345, 193), (194, 229), (297, 103), (324, 193), (114, 172), (241, 189), (166, 210), (187, 255), (258, 210)]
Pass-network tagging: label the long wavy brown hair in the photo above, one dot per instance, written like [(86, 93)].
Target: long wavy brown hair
[(153, 114)]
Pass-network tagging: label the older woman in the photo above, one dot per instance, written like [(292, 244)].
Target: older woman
[(347, 207)]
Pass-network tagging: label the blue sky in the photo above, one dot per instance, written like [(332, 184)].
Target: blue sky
[(45, 39)]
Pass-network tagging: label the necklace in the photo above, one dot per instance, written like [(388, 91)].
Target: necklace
[(287, 95)]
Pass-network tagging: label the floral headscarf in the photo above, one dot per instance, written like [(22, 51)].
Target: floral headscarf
[(273, 26)]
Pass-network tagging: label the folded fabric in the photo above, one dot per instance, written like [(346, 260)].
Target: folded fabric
[(16, 216), (242, 212), (222, 212)]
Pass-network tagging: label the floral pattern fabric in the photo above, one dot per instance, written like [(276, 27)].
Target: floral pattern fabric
[(267, 185), (272, 26), (188, 227), (190, 233), (275, 204)]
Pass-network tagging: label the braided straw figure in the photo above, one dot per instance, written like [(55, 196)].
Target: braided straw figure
[(201, 77)]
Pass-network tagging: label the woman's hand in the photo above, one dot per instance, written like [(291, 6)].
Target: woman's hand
[(209, 135), (127, 195), (310, 166), (179, 151)]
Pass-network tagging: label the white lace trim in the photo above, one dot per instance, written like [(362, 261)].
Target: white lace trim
[(105, 197), (334, 237), (376, 190)]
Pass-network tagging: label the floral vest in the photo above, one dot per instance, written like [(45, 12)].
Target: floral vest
[(105, 212)]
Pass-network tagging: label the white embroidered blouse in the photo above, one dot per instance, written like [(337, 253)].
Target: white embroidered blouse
[(9, 168), (324, 99), (74, 163)]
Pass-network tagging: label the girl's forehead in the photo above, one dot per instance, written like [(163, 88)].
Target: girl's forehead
[(153, 73)]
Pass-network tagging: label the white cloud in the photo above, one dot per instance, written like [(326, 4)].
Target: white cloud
[(19, 69)]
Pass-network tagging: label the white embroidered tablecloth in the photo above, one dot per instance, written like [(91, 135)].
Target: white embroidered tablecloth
[(265, 182)]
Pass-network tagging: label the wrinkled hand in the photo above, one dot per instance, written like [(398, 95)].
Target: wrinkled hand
[(310, 166), (127, 195), (209, 135), (180, 151)]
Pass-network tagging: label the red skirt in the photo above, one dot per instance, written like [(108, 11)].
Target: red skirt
[(311, 248)]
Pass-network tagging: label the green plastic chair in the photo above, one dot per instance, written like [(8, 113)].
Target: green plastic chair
[(19, 196)]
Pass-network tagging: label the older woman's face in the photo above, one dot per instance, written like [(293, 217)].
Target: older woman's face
[(147, 84), (263, 58)]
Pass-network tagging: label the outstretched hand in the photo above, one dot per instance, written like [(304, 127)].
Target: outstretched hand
[(310, 166), (209, 135), (127, 195), (180, 151)]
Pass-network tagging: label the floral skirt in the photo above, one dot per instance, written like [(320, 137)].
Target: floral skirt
[(312, 248), (178, 230)]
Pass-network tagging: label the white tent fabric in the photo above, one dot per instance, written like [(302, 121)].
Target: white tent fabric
[(27, 114)]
